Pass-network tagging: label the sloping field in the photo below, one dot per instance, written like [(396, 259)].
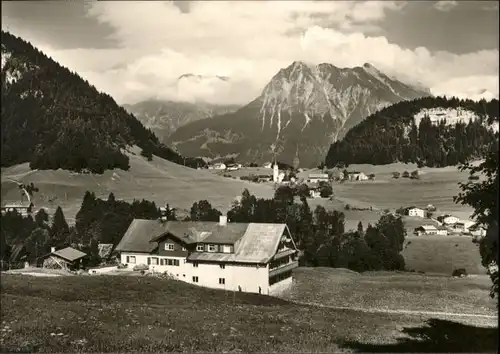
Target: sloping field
[(159, 180), (392, 291), (442, 254), (123, 314)]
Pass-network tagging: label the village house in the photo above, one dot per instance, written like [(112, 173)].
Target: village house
[(23, 208), (426, 230), (357, 176), (219, 166), (232, 167), (448, 219), (441, 230), (67, 258), (414, 211), (314, 192), (318, 177), (250, 257)]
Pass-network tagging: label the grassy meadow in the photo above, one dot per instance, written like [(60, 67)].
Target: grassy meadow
[(144, 314), (392, 291), (158, 180), (442, 254)]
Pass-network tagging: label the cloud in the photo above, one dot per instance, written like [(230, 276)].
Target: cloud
[(249, 42), (445, 5)]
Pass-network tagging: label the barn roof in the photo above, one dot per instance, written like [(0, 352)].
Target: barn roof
[(69, 254)]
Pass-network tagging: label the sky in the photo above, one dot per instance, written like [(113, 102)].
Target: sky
[(136, 51)]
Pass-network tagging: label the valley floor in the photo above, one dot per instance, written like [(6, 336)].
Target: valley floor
[(144, 314)]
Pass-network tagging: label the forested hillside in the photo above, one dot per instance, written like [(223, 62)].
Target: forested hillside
[(394, 134), (54, 119)]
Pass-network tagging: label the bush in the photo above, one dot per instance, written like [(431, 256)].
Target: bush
[(406, 174), (347, 207), (141, 267), (396, 175), (459, 272)]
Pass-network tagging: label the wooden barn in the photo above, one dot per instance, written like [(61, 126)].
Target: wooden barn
[(67, 258)]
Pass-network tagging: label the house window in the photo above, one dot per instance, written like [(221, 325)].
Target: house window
[(200, 248), (212, 248), (222, 281), (153, 261), (222, 266), (226, 249), (195, 264), (184, 248), (131, 259), (169, 247), (195, 279)]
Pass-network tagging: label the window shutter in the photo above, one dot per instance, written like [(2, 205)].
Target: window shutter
[(128, 259), (149, 261)]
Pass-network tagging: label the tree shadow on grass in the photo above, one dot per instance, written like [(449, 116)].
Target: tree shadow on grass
[(437, 336)]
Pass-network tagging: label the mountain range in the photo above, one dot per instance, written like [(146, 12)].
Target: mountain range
[(300, 112), (163, 117)]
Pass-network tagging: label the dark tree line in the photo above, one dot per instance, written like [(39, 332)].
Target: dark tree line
[(54, 119), (391, 135), (320, 234)]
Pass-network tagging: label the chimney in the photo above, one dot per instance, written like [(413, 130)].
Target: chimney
[(52, 249), (223, 220)]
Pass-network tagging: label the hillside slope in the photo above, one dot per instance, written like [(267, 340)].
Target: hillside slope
[(430, 131), (300, 112), (164, 117), (158, 180), (53, 119)]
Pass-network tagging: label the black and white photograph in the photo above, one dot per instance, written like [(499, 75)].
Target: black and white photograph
[(246, 176)]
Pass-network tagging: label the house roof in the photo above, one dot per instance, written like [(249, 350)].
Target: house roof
[(253, 242), (257, 245), (69, 254), (17, 205), (138, 234), (318, 175), (426, 227)]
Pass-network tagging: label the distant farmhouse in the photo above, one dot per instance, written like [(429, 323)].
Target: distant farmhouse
[(22, 208), (250, 257), (414, 211), (318, 177), (430, 230), (448, 219), (356, 176)]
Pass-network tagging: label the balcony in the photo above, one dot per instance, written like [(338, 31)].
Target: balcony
[(287, 267)]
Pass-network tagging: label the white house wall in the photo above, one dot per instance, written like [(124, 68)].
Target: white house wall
[(249, 277)]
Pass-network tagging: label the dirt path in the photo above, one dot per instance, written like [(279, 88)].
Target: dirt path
[(399, 312)]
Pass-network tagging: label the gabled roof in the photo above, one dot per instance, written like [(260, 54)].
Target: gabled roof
[(138, 235), (257, 245), (69, 254)]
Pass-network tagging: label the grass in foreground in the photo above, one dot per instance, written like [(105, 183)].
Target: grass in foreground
[(392, 290), (141, 314)]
